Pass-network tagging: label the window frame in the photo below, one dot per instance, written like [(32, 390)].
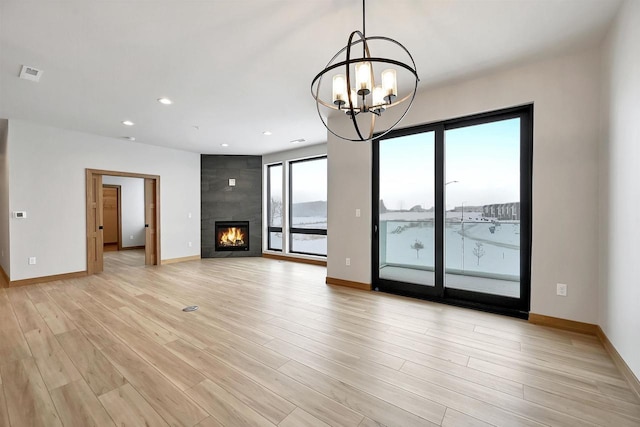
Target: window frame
[(296, 230), (271, 229), (517, 307)]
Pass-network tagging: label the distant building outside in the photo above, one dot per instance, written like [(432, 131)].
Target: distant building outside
[(502, 211)]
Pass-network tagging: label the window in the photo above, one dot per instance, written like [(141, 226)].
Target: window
[(308, 213), (275, 207)]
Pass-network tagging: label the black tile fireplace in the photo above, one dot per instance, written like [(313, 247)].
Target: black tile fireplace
[(232, 235)]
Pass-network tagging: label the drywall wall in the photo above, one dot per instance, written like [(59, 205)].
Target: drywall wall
[(47, 179), (5, 213), (619, 188), (132, 209), (295, 154), (565, 91)]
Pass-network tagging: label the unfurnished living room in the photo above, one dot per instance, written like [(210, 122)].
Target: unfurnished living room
[(319, 213)]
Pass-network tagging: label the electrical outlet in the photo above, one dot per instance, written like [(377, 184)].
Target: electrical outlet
[(32, 260), (347, 261), (189, 244), (357, 213), (561, 289), (131, 237)]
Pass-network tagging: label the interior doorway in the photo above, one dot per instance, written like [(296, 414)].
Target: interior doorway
[(103, 201), (112, 216)]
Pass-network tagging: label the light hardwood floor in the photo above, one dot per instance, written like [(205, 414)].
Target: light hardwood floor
[(273, 345)]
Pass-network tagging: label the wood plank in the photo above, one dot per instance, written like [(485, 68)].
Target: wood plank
[(162, 395), (268, 404), (27, 399), (92, 330), (24, 310), (307, 398), (98, 372), (224, 406), (37, 294), (128, 408), (453, 418), (579, 409), (549, 384), (54, 364), (368, 422), (78, 406), (152, 329), (12, 343), (209, 422), (54, 317), (300, 418), (4, 411), (365, 403)]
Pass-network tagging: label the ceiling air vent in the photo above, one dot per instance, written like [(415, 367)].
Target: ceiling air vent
[(30, 73)]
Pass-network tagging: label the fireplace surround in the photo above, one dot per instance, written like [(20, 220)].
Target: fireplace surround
[(231, 236)]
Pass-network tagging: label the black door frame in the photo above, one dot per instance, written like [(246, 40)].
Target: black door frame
[(517, 307)]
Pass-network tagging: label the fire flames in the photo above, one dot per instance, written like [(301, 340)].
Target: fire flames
[(232, 237)]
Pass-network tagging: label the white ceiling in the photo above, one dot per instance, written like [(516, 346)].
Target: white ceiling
[(237, 68)]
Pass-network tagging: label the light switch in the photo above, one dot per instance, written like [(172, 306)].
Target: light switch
[(357, 213)]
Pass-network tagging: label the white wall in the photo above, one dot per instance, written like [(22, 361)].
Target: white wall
[(294, 154), (620, 188), (132, 209), (565, 91), (5, 214), (47, 179)]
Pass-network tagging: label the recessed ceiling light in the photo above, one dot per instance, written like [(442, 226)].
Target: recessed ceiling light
[(128, 123), (165, 101), (224, 145), (130, 138), (297, 141), (267, 132)]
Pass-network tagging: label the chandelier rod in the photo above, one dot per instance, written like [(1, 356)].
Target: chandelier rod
[(364, 28)]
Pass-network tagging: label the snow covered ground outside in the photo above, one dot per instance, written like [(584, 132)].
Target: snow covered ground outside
[(499, 251)]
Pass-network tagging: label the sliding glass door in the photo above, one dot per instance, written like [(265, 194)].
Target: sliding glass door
[(452, 211), (407, 245)]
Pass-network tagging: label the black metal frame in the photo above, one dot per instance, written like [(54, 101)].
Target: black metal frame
[(517, 307), (294, 230), (271, 229), (366, 56), (227, 224)]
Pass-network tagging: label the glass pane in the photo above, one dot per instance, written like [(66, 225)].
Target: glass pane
[(275, 241), (309, 244), (407, 245), (309, 194), (482, 198), (275, 195)]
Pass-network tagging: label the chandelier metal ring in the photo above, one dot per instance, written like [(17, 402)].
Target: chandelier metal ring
[(316, 83)]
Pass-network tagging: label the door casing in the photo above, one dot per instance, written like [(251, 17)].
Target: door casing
[(94, 207)]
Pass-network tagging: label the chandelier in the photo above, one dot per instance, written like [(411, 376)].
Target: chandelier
[(357, 94)]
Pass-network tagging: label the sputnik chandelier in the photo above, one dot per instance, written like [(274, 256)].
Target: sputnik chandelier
[(355, 92)]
